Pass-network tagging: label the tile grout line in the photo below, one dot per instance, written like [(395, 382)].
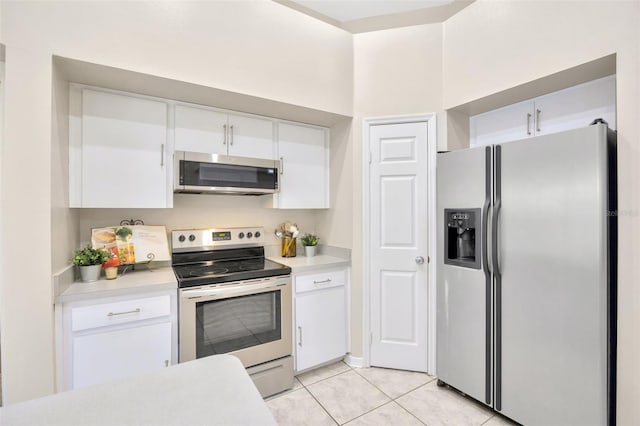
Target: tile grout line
[(325, 378), (487, 421), (394, 399), (322, 406), (406, 393), (359, 375), (316, 399)]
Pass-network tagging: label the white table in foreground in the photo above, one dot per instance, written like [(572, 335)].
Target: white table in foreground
[(208, 391)]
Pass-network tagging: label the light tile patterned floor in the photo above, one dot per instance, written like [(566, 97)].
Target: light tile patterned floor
[(338, 394)]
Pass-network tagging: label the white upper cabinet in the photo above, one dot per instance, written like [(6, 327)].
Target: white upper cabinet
[(566, 109), (251, 137), (304, 173), (202, 129), (118, 151), (501, 125)]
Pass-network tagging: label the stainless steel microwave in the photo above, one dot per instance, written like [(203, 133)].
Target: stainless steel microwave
[(197, 173)]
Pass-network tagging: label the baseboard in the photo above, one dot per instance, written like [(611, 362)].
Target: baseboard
[(354, 361)]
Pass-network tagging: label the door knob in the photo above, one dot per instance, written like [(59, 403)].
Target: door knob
[(419, 260)]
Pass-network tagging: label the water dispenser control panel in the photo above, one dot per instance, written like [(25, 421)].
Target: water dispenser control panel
[(462, 238)]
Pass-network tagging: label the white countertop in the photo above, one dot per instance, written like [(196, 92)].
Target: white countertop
[(302, 264), (215, 390), (131, 282)]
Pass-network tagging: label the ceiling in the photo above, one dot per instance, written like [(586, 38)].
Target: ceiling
[(357, 16)]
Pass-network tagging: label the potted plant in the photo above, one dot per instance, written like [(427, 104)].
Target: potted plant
[(89, 260), (310, 242)]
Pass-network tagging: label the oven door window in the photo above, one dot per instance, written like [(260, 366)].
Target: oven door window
[(225, 175), (232, 324)]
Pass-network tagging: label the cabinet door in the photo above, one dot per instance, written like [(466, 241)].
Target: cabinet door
[(577, 106), (200, 130), (124, 161), (502, 125), (112, 355), (321, 327), (251, 137), (304, 176)]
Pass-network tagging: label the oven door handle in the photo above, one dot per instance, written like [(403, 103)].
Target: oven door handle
[(241, 289)]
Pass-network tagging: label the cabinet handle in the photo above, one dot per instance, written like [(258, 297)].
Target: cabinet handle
[(528, 123), (538, 120), (299, 336), (328, 280), (162, 155), (166, 362), (224, 140), (231, 134), (281, 166), (113, 314)]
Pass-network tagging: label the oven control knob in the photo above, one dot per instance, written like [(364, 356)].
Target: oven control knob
[(181, 238), (257, 234), (241, 235), (192, 238), (249, 235)]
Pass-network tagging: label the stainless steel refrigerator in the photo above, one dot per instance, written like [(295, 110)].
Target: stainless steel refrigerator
[(526, 276)]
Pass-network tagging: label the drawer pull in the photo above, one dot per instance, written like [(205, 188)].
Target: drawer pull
[(328, 280), (113, 314)]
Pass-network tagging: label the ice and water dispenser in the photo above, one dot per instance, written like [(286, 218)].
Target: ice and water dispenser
[(462, 237)]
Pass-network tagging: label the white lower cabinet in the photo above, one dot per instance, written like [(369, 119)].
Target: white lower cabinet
[(320, 333), (111, 355), (112, 338)]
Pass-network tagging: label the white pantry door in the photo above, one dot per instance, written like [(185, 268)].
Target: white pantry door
[(398, 244)]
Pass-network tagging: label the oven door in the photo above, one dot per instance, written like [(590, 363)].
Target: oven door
[(249, 319)]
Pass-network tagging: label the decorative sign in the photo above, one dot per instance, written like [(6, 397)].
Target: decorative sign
[(132, 243)]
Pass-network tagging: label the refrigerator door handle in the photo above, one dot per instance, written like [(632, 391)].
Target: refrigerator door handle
[(485, 213), (497, 206), (495, 228), (487, 272)]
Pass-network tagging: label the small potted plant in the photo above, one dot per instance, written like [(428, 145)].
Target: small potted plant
[(89, 260), (310, 242)]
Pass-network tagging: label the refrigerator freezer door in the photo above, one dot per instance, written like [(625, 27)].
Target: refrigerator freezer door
[(552, 240), (463, 358)]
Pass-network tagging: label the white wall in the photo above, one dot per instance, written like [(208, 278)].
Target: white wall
[(396, 72), (256, 47), (264, 49), (192, 211), (64, 229), (492, 46)]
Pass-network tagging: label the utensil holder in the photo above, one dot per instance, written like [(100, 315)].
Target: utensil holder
[(288, 247)]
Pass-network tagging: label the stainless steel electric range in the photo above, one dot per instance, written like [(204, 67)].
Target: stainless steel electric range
[(234, 301)]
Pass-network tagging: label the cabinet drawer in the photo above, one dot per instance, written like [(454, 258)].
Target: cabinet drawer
[(101, 315), (320, 280)]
